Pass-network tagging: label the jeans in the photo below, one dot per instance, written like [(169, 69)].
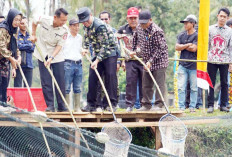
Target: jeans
[(184, 75), (28, 72), (212, 70), (73, 75)]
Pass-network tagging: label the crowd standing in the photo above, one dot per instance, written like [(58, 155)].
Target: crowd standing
[(61, 48)]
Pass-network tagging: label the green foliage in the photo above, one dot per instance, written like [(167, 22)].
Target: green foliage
[(209, 140)]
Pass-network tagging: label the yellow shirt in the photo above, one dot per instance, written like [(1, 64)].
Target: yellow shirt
[(49, 37)]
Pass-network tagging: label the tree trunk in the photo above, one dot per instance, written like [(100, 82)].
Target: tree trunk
[(28, 13)]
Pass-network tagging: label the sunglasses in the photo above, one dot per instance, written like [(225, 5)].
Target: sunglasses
[(105, 19)]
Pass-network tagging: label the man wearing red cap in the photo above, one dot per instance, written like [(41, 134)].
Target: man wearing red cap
[(134, 70)]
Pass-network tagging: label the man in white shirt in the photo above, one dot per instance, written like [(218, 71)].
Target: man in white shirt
[(73, 64), (51, 38)]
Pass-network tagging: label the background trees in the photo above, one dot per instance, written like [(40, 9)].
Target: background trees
[(165, 13)]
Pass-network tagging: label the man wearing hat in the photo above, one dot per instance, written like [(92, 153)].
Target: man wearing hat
[(104, 59), (187, 44), (150, 38), (73, 64), (134, 69), (51, 38)]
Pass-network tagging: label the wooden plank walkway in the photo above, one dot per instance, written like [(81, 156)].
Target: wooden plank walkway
[(98, 120)]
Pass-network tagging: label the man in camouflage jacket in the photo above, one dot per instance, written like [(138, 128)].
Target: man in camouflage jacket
[(104, 58)]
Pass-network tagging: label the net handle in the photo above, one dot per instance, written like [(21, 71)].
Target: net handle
[(148, 70), (34, 106)]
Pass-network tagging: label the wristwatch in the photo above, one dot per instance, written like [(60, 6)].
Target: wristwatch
[(51, 57)]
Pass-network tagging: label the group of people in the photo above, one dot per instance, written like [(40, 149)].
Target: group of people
[(219, 57), (61, 49)]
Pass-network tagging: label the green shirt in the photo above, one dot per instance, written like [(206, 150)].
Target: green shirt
[(101, 37)]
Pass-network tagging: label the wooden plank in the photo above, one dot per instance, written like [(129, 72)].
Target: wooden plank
[(158, 143)]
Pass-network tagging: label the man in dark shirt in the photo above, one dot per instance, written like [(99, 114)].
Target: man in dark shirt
[(187, 44), (27, 48), (154, 51), (104, 58), (134, 69)]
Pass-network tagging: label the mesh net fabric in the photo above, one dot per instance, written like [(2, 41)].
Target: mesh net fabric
[(22, 139), (173, 133)]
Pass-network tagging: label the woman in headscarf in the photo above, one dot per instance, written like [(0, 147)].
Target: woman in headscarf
[(8, 49)]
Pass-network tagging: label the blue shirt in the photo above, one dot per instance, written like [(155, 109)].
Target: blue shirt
[(27, 48)]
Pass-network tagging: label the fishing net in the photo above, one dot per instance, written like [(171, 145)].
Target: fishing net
[(119, 140), (173, 133), (20, 136)]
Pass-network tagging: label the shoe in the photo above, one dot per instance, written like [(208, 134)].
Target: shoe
[(99, 109), (210, 110), (156, 108), (225, 109), (192, 110), (129, 109), (49, 109), (63, 110), (144, 108), (88, 108), (109, 109)]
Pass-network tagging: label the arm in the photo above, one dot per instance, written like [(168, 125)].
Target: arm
[(33, 35), (192, 48), (180, 47), (50, 58)]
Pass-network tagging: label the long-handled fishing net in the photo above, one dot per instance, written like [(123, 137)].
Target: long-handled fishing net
[(117, 137), (172, 129), (58, 89)]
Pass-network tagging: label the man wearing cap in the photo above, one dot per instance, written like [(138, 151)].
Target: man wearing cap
[(51, 38), (73, 64), (104, 59), (154, 51), (134, 69), (220, 50), (187, 44)]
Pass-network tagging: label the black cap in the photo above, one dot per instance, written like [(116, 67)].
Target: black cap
[(190, 18), (1, 16), (73, 21), (229, 22), (144, 16), (83, 14)]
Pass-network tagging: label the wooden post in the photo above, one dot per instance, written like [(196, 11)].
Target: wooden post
[(156, 132), (203, 95), (78, 142)]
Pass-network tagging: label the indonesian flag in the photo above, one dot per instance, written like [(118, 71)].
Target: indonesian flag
[(203, 79)]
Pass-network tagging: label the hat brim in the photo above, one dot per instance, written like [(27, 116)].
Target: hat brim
[(144, 21), (73, 23), (132, 15), (84, 20), (184, 21)]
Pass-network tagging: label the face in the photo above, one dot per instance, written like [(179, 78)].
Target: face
[(145, 25), (188, 25), (16, 21), (60, 21), (222, 18), (23, 25), (105, 17), (74, 28), (89, 22), (230, 26), (132, 21)]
